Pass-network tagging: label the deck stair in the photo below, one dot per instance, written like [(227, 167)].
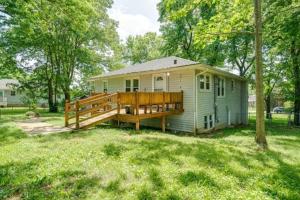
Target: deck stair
[(122, 106)]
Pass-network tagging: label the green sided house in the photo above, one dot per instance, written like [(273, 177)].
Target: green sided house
[(212, 98)]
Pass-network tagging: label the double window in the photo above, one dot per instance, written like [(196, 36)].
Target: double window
[(221, 87), (208, 122), (12, 93), (132, 85), (204, 82)]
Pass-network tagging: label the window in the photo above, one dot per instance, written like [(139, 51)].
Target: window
[(207, 82), (205, 122), (135, 84), (105, 86), (204, 82), (221, 87), (211, 122), (12, 93), (208, 122), (201, 80), (127, 85), (132, 85), (232, 85)]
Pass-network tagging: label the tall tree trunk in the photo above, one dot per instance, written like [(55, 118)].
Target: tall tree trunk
[(52, 104), (67, 95), (268, 106), (260, 123), (295, 54)]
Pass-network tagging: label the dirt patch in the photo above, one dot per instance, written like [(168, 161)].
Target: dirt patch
[(35, 126)]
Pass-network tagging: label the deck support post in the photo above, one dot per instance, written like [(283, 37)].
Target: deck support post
[(137, 125), (163, 123), (77, 113), (67, 105)]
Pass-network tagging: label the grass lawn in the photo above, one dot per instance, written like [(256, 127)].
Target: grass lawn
[(108, 163)]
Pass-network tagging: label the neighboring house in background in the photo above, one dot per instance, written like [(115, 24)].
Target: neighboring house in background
[(213, 98), (8, 95)]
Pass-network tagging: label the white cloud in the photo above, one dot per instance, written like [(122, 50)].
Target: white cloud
[(132, 24), (135, 17)]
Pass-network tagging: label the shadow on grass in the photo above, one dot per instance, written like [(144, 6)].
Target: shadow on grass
[(21, 180), (282, 179)]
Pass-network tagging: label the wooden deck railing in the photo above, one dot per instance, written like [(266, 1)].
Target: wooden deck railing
[(133, 102)]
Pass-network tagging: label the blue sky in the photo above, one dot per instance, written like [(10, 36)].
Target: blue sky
[(135, 17)]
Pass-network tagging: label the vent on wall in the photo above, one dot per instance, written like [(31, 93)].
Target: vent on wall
[(175, 62)]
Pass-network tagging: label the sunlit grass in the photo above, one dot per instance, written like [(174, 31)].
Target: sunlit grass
[(110, 163)]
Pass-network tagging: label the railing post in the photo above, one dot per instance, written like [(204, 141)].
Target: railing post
[(137, 103), (77, 113), (164, 101), (118, 103), (67, 106), (150, 103), (181, 106)]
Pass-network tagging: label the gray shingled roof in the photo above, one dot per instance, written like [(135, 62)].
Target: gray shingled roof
[(162, 63), (6, 84)]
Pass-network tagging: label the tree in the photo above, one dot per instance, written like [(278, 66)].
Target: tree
[(142, 48), (282, 25), (239, 52), (65, 37), (179, 32), (229, 18), (260, 124)]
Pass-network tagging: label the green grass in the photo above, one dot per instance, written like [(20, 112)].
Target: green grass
[(108, 163)]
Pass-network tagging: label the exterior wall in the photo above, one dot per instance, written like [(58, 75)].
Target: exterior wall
[(205, 102), (177, 81), (186, 80), (230, 109), (13, 100)]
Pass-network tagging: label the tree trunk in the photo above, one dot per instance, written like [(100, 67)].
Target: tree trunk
[(52, 104), (260, 123), (67, 95), (295, 54), (268, 106)]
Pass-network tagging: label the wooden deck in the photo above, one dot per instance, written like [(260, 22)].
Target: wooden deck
[(125, 107)]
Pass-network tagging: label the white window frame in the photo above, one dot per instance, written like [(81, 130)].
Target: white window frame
[(103, 84), (205, 75), (164, 75), (220, 87), (131, 83), (210, 121)]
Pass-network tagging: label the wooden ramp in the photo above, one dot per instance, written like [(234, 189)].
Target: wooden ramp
[(96, 120), (123, 106)]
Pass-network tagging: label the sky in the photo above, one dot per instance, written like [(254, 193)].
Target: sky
[(135, 17)]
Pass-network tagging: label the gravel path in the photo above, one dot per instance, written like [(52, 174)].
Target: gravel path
[(35, 126)]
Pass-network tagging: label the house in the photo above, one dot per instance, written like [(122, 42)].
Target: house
[(8, 95), (212, 98)]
